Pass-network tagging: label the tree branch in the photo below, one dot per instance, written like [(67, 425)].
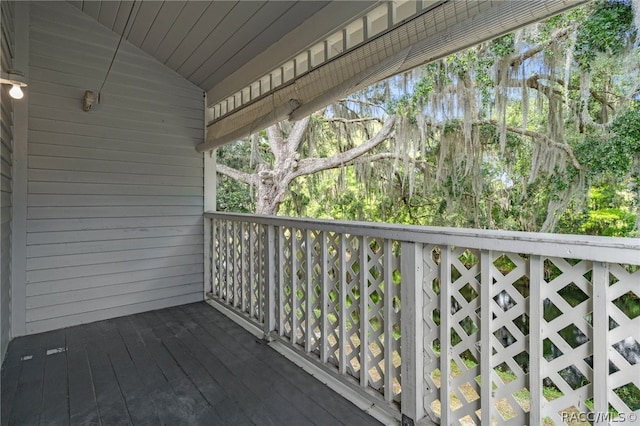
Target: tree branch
[(351, 121), (235, 174), (363, 102), (533, 82), (309, 166), (422, 164), (275, 140), (518, 59), (536, 135), (533, 135), (295, 137)]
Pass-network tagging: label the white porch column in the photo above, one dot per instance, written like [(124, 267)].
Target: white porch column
[(411, 271), (210, 186)]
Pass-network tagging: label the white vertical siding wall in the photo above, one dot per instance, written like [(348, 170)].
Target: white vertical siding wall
[(115, 195), (6, 161)]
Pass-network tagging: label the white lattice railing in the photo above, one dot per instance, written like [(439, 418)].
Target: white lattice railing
[(394, 310)]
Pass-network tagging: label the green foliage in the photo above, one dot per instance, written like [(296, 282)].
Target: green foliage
[(606, 31), (502, 46), (233, 196), (614, 153)]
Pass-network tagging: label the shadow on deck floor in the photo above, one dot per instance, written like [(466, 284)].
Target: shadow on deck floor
[(186, 365)]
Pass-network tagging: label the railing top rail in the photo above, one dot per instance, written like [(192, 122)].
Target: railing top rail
[(604, 249)]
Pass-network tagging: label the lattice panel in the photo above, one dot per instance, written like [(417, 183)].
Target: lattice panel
[(298, 285), (392, 306), (567, 350), (465, 335), (285, 276), (237, 258), (230, 261), (216, 256), (332, 298), (223, 265), (509, 329), (375, 319), (352, 305), (431, 330), (256, 272), (245, 278), (314, 297), (624, 338)]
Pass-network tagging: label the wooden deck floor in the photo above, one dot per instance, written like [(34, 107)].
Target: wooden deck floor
[(187, 365)]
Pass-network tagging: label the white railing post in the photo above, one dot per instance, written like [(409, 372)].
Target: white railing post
[(209, 263), (244, 268), (486, 319), (261, 271), (295, 282), (412, 370), (236, 262), (222, 262), (535, 340), (228, 260), (253, 282), (279, 294), (364, 312), (342, 349), (208, 229), (600, 285), (309, 290), (388, 325), (270, 285), (445, 334), (324, 300)]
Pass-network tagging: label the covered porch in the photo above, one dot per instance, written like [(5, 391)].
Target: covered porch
[(128, 299)]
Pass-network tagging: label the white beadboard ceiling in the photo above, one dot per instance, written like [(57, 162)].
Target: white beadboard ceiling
[(207, 42)]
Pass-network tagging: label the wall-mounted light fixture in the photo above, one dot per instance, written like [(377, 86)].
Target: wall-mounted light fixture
[(16, 79)]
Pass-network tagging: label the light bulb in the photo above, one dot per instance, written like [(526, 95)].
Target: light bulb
[(16, 92)]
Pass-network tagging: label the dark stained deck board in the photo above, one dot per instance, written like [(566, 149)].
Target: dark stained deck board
[(299, 382), (237, 393), (187, 365), (27, 402), (291, 404), (184, 396), (55, 405), (83, 407), (111, 404), (9, 381), (169, 408)]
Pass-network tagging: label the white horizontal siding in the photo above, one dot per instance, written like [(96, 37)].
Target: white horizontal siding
[(111, 189), (58, 237), (117, 245), (42, 225), (6, 163), (113, 279), (47, 175), (120, 211), (115, 195), (110, 166)]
